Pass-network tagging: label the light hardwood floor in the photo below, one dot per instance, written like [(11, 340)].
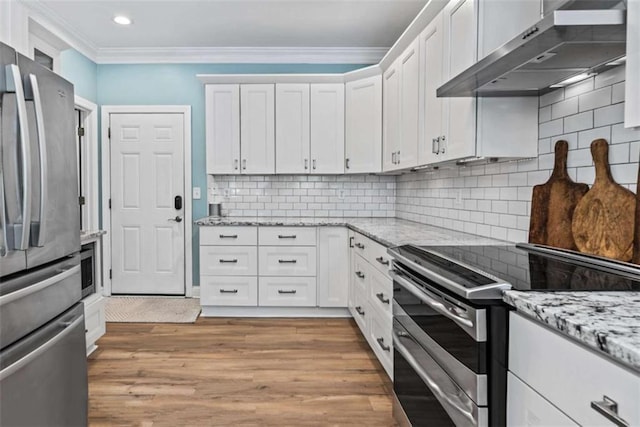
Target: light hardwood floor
[(238, 372)]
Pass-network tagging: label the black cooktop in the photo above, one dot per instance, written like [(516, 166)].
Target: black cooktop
[(529, 267)]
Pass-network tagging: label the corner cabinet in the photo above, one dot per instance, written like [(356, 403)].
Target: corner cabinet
[(363, 125), (257, 136)]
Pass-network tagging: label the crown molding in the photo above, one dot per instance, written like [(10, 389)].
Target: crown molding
[(244, 55)]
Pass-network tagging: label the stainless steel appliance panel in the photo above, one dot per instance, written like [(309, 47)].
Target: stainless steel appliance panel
[(11, 261), (43, 378), (30, 300), (54, 214)]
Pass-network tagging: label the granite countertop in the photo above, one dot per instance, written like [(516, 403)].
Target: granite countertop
[(86, 236), (608, 322), (387, 231)]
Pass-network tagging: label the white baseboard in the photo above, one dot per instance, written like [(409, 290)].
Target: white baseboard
[(216, 311)]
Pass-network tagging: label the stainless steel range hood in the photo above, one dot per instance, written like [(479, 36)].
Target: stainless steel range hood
[(563, 44)]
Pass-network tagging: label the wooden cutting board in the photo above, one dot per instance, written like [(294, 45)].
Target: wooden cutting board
[(604, 219), (553, 204)]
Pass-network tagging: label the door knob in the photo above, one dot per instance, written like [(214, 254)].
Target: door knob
[(178, 218)]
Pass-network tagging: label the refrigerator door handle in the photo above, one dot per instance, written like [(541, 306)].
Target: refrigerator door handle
[(14, 84), (4, 244), (42, 147), (20, 363), (63, 274)]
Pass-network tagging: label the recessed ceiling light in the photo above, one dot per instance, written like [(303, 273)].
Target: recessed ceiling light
[(122, 20)]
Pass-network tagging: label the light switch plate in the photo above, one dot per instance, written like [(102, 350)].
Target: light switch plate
[(196, 193)]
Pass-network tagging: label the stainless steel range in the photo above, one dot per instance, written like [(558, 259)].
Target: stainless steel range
[(450, 326)]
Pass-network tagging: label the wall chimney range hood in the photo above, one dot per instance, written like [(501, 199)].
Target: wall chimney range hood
[(564, 44)]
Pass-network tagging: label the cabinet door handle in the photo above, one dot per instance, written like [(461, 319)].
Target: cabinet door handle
[(351, 241), (314, 164), (244, 164), (235, 164), (360, 311), (382, 345), (228, 261), (441, 149), (346, 163), (293, 291), (287, 261), (228, 236), (382, 299), (398, 157), (434, 145), (360, 274), (608, 408), (382, 261), (393, 158), (359, 246), (285, 236), (225, 291), (306, 164)]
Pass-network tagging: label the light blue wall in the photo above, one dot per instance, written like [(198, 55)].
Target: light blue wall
[(82, 72), (176, 84)]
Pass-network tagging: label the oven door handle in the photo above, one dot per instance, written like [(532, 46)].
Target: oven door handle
[(431, 302), (435, 378)]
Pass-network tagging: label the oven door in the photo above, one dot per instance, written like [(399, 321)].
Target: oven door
[(427, 394)]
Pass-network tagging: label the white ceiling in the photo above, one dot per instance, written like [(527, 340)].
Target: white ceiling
[(234, 23)]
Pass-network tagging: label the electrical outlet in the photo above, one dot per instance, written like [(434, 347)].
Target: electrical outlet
[(341, 194), (196, 193), (226, 193), (457, 201)]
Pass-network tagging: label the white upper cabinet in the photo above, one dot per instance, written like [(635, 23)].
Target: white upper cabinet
[(223, 128), (364, 125), (502, 20), (292, 129), (431, 107), (391, 116), (257, 136), (327, 128), (632, 84), (407, 156)]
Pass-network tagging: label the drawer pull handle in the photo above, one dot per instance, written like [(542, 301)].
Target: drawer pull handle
[(608, 408), (228, 261), (360, 311), (287, 261), (359, 246), (280, 291), (285, 236), (228, 236), (225, 291), (360, 274), (382, 298), (382, 261), (382, 345)]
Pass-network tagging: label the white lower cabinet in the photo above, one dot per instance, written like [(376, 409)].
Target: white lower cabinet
[(528, 408), (333, 267), (569, 376), (287, 261), (287, 291), (228, 260), (94, 318), (229, 290)]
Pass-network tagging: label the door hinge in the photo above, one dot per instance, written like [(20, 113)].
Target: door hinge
[(80, 131), (110, 273), (109, 203), (109, 133), (82, 200)]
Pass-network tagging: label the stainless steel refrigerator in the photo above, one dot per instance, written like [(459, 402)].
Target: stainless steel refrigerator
[(43, 367)]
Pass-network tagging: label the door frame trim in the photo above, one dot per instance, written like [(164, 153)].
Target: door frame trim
[(185, 110)]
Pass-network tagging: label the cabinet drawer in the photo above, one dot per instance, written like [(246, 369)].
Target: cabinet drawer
[(229, 291), (229, 236), (525, 407), (229, 260), (360, 275), (380, 292), (287, 236), (569, 375), (287, 261), (287, 292), (377, 255), (360, 311), (379, 328)]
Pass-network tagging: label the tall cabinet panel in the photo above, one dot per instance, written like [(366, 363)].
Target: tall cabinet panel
[(327, 128), (257, 136), (364, 125), (409, 106), (292, 128), (391, 116), (431, 107), (223, 128)]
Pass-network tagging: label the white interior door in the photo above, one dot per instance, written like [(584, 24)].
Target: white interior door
[(147, 231)]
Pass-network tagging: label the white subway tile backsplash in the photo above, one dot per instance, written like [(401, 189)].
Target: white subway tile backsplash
[(595, 99), (579, 88), (545, 114), (585, 138), (564, 108), (621, 134), (617, 94), (578, 122), (609, 115), (552, 97), (552, 128)]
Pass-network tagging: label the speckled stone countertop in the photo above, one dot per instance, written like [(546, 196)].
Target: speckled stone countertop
[(86, 236), (387, 231), (605, 321)]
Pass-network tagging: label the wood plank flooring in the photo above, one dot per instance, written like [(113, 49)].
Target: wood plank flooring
[(238, 372)]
